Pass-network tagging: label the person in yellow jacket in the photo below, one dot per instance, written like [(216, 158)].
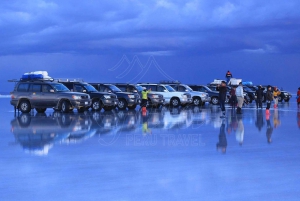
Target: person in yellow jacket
[(276, 93), (145, 96)]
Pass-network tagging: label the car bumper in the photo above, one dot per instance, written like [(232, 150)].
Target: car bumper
[(132, 101), (157, 101), (81, 103), (110, 102), (208, 99), (186, 101)]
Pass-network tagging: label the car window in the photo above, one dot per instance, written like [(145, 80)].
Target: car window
[(160, 88), (89, 88), (35, 88), (170, 89), (78, 88), (46, 88), (139, 88), (114, 88), (23, 87), (60, 87), (181, 88)]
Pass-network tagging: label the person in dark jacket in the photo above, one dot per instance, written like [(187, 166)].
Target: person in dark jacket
[(269, 99), (259, 97), (222, 96), (233, 99)]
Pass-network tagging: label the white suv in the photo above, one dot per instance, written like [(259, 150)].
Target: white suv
[(171, 96)]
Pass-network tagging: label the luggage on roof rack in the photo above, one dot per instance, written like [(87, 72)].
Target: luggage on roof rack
[(36, 75)]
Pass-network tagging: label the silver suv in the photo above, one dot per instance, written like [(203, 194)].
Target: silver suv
[(46, 94), (171, 96)]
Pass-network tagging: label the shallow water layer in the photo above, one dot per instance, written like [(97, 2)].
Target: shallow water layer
[(166, 154)]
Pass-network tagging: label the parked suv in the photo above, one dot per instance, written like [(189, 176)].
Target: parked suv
[(171, 96), (214, 96), (126, 99), (199, 98), (100, 100), (40, 94), (154, 99)]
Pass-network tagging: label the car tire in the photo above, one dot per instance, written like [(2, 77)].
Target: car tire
[(175, 102), (122, 104), (25, 106), (215, 100), (96, 105), (65, 107), (40, 110), (279, 99), (24, 120), (197, 101)]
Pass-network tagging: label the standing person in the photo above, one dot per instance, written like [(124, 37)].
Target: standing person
[(228, 76), (233, 99), (298, 97), (145, 98), (276, 93), (222, 96), (269, 98), (240, 98), (259, 97)]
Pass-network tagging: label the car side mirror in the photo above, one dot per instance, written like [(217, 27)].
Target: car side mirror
[(165, 90), (109, 91), (186, 90), (84, 91), (52, 90)]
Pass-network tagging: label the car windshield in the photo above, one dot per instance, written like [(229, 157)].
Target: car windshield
[(114, 88), (89, 88), (169, 88), (188, 88), (60, 87), (139, 88), (247, 88)]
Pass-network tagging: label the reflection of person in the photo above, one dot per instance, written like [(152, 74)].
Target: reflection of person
[(228, 76), (259, 120), (298, 97), (276, 121), (269, 131), (239, 135), (222, 96), (298, 119), (145, 128), (240, 97), (222, 144), (259, 97)]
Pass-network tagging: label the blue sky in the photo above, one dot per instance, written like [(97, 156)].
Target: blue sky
[(193, 41)]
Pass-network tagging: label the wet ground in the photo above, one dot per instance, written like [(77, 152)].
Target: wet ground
[(167, 154)]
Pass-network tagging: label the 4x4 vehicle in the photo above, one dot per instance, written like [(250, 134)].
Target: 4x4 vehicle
[(154, 99), (172, 97), (43, 94), (100, 100), (199, 98), (214, 96), (214, 88), (126, 99), (284, 95)]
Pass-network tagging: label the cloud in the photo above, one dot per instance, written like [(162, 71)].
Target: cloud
[(98, 27)]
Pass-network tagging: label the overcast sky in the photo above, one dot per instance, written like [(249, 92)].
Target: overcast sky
[(194, 41)]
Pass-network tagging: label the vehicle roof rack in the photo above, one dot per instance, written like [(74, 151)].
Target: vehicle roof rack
[(69, 80), (170, 82)]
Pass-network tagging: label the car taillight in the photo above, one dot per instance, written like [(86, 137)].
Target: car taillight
[(12, 96)]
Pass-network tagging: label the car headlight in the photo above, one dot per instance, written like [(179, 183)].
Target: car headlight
[(203, 95), (155, 96), (131, 96), (106, 96), (76, 97)]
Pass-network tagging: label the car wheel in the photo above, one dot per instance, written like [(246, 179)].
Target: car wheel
[(65, 107), (132, 107), (96, 105), (175, 102), (197, 101), (24, 120), (279, 99), (122, 104), (215, 100), (25, 106), (40, 110)]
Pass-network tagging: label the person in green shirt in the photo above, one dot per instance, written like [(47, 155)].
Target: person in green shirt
[(145, 96)]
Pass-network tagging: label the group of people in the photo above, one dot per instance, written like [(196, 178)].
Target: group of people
[(237, 96)]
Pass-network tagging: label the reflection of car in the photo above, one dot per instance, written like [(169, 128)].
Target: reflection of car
[(105, 122), (154, 99), (41, 95), (100, 100), (126, 99), (172, 97), (37, 134)]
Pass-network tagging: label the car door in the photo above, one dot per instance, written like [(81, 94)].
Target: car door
[(35, 94), (48, 95)]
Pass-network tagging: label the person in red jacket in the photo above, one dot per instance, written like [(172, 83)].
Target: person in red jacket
[(298, 97)]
